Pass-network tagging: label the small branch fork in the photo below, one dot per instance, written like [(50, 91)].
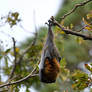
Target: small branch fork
[(76, 6), (68, 31)]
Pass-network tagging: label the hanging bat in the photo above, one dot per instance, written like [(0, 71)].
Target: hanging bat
[(49, 66)]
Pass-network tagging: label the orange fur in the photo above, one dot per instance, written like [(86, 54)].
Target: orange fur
[(52, 69)]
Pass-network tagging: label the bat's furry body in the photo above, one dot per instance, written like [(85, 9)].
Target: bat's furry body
[(49, 66)]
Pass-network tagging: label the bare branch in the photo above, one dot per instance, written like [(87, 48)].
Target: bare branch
[(21, 80), (15, 59), (76, 6), (68, 31)]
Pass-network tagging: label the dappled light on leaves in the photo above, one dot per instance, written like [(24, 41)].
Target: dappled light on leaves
[(80, 79)]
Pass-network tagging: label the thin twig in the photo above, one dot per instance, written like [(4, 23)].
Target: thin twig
[(84, 27), (25, 30), (68, 31), (21, 80), (15, 59), (76, 6)]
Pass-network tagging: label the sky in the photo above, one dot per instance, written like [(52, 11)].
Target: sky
[(31, 12)]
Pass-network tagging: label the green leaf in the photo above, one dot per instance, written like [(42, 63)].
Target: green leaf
[(63, 62), (7, 51)]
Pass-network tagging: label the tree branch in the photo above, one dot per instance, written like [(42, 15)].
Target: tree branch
[(15, 59), (76, 6), (16, 62), (68, 31), (21, 80)]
